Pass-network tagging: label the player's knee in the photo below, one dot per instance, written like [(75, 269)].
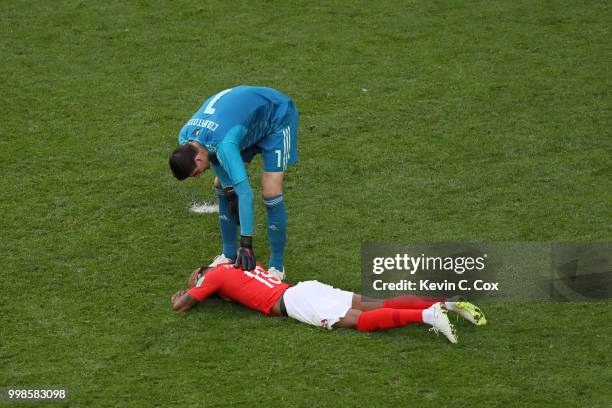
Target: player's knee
[(349, 321), (271, 191), (272, 201), (272, 184)]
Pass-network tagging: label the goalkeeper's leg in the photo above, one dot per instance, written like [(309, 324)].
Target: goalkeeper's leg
[(229, 228), (272, 186)]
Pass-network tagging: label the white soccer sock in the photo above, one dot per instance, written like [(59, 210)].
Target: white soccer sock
[(450, 305), (428, 316)]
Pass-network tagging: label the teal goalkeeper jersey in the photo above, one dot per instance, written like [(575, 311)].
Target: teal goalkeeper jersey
[(234, 120), (230, 122)]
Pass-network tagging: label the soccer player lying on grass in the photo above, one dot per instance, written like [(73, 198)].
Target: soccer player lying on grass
[(315, 303)]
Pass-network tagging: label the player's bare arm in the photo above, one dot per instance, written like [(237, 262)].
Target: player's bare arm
[(182, 301)]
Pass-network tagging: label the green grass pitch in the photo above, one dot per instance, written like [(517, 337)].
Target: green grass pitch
[(420, 122)]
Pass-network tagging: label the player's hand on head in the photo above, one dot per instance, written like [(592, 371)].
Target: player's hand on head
[(193, 278), (177, 295), (245, 258)]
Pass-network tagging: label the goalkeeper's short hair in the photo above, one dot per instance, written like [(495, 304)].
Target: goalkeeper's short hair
[(182, 161)]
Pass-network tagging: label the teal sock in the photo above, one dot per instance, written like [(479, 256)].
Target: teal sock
[(277, 230)]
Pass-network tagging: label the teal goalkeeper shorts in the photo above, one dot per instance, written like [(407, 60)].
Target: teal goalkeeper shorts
[(279, 149)]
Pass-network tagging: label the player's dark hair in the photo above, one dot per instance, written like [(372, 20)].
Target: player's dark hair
[(204, 270), (182, 161)]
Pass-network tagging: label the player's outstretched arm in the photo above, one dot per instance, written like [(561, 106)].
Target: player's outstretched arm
[(183, 301)]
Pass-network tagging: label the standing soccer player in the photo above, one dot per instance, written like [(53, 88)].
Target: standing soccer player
[(228, 130)]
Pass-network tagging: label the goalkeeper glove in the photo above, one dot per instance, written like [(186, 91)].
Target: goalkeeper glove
[(245, 256)]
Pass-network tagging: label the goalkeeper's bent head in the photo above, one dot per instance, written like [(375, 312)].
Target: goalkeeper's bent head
[(182, 161)]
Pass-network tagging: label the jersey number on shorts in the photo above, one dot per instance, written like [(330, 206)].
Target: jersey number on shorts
[(278, 157), (209, 110), (261, 275)]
